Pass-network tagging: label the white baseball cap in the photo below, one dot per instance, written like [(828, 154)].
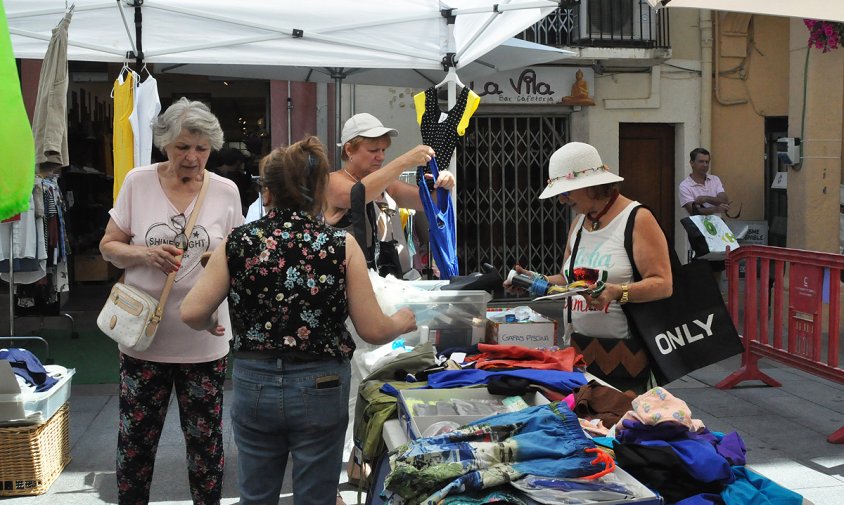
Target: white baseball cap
[(364, 125), (574, 166)]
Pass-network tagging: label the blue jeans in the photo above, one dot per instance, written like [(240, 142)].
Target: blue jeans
[(278, 411)]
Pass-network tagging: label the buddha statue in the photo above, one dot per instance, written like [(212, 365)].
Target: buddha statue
[(579, 92)]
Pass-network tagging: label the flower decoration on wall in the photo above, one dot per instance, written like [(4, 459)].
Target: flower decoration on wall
[(824, 35)]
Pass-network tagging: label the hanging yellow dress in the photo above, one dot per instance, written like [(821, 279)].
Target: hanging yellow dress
[(123, 141)]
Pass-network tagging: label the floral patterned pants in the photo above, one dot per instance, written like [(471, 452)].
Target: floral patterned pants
[(145, 388)]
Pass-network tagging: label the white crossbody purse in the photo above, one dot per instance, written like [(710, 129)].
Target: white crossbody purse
[(131, 316)]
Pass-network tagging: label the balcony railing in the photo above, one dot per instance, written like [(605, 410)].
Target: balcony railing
[(602, 23)]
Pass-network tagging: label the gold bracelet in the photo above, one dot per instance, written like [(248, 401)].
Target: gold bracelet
[(625, 294)]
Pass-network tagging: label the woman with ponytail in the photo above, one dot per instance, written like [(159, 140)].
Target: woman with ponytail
[(291, 281)]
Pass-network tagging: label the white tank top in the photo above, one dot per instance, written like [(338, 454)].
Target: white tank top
[(601, 249)]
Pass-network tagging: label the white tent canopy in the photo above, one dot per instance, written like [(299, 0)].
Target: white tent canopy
[(371, 34), (513, 53), (828, 10), (312, 33)]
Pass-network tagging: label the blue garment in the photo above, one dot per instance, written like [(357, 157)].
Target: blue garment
[(702, 499), (751, 488), (544, 440), (442, 227), (731, 447), (278, 411), (728, 449), (27, 365), (558, 380)]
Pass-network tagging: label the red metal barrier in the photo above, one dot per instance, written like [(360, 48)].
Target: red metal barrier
[(802, 345)]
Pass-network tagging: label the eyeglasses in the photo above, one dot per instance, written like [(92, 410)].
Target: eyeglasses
[(178, 222)]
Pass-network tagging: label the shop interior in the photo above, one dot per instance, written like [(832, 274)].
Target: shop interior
[(242, 107)]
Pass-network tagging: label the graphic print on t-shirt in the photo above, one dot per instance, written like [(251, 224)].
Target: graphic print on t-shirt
[(173, 233)]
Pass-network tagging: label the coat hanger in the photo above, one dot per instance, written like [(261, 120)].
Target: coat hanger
[(123, 72), (451, 76), (144, 69)]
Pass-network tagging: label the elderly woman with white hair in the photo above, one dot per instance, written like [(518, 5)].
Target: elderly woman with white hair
[(596, 322), (146, 235)]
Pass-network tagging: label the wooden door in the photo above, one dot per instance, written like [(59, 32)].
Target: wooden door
[(646, 161)]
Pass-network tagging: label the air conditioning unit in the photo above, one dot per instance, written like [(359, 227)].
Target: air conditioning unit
[(617, 20)]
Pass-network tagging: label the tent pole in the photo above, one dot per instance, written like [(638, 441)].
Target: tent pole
[(289, 114), (338, 102), (139, 55), (450, 65), (11, 278)]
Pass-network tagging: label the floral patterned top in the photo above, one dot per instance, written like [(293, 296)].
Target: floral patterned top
[(288, 287)]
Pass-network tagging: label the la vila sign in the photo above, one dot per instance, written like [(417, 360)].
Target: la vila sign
[(531, 85)]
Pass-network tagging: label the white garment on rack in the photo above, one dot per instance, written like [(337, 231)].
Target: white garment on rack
[(146, 108), (26, 236)]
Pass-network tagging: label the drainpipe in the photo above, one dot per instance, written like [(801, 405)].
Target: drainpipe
[(705, 20)]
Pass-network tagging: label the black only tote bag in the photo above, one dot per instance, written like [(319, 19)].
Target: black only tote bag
[(690, 329)]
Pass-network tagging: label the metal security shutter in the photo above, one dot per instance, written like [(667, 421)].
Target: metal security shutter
[(502, 167)]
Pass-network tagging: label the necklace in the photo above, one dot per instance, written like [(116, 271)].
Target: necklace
[(350, 175), (596, 219)]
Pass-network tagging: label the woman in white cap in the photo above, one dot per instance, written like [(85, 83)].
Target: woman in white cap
[(596, 240), (364, 141)]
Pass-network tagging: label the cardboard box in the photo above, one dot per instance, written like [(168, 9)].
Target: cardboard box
[(414, 426), (537, 332), (92, 267), (29, 408)]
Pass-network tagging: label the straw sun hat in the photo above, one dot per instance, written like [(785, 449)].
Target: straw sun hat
[(574, 166)]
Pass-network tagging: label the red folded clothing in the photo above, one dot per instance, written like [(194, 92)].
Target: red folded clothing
[(514, 356)]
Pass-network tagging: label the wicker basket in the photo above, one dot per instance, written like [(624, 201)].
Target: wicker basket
[(31, 457)]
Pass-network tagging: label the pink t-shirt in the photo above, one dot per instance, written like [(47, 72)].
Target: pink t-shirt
[(143, 211)]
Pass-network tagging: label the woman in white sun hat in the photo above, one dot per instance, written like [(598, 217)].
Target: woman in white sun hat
[(595, 322)]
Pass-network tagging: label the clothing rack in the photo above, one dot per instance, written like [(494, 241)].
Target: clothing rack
[(73, 333), (12, 337)]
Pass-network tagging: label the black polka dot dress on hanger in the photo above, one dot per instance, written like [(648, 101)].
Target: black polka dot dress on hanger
[(442, 135)]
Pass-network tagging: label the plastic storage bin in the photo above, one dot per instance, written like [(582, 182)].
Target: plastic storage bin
[(46, 403), (450, 318), (414, 426)]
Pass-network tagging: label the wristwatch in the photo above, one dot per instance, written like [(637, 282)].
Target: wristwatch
[(625, 294)]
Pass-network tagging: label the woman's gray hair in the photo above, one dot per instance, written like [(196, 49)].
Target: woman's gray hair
[(190, 115)]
